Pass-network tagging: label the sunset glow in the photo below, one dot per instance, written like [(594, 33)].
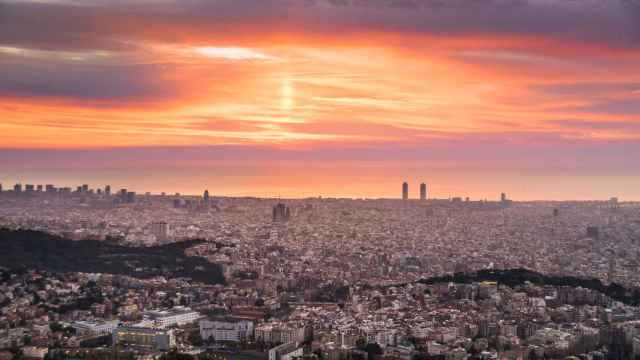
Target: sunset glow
[(327, 76)]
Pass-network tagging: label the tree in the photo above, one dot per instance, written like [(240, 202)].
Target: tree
[(195, 339), (18, 354), (175, 355), (373, 349), (420, 356)]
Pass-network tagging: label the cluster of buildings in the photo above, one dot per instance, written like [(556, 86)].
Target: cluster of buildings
[(327, 278)]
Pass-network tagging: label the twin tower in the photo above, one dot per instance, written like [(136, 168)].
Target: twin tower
[(405, 191)]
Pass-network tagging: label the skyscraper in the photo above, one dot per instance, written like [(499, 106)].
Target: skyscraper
[(205, 197), (281, 213), (423, 191), (160, 230), (503, 197), (405, 191), (131, 197), (107, 190)]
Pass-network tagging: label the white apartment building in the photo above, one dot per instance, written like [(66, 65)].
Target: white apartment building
[(176, 316), (288, 351), (95, 328), (226, 329), (280, 333)]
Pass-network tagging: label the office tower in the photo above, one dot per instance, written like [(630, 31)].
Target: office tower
[(205, 197), (423, 191), (49, 188), (405, 191), (131, 197), (85, 188), (39, 188), (281, 213), (0, 187), (503, 197), (17, 188), (160, 230), (29, 188), (99, 191), (79, 189), (614, 203), (107, 190)]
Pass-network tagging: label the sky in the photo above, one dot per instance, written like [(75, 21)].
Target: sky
[(294, 98)]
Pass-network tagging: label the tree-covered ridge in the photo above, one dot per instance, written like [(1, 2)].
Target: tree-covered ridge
[(515, 277), (25, 249)]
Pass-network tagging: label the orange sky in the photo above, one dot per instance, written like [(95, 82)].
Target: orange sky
[(132, 77), (299, 95)]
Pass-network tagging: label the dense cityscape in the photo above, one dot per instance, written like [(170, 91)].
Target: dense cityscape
[(316, 278), (319, 180)]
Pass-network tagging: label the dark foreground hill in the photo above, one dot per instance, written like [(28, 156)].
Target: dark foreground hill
[(515, 277), (23, 249)]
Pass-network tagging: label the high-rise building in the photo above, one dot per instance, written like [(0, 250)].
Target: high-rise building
[(17, 188), (131, 197), (107, 190), (614, 203), (423, 191), (281, 213), (205, 197), (85, 188), (0, 187), (405, 191), (49, 188), (503, 197), (160, 230), (29, 188)]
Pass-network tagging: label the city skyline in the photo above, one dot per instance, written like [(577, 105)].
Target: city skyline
[(276, 190), (320, 179), (487, 91), (105, 190)]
